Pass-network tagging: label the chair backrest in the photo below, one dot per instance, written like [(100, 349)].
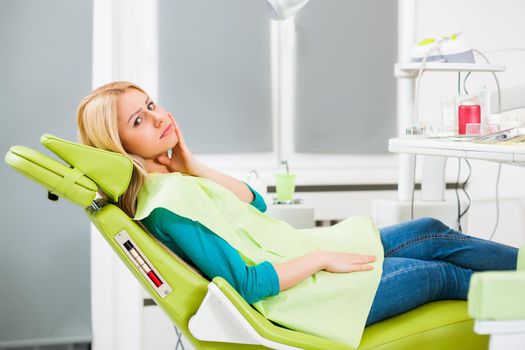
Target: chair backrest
[(176, 288)]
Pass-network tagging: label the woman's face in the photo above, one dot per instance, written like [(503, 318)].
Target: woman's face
[(145, 129)]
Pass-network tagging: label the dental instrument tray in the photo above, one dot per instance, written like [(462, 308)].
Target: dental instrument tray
[(507, 136)]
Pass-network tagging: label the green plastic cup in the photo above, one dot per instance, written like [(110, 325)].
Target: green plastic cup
[(285, 186)]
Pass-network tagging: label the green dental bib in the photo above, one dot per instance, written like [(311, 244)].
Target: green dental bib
[(331, 305)]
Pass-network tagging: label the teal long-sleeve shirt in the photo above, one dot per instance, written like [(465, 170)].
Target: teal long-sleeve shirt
[(202, 248)]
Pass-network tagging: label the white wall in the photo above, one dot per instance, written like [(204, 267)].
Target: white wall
[(488, 25)]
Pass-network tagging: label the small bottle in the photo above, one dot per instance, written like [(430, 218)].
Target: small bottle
[(494, 123), (484, 102), (468, 114)]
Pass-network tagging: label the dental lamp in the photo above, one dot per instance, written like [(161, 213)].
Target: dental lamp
[(282, 9)]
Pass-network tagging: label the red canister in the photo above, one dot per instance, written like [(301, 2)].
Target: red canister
[(468, 114)]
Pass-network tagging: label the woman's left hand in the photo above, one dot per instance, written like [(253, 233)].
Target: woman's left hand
[(182, 159)]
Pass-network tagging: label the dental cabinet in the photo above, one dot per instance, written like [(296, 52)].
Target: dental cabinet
[(432, 186), (433, 179), (432, 201)]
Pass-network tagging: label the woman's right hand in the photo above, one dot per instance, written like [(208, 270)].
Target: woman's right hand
[(294, 271), (346, 262)]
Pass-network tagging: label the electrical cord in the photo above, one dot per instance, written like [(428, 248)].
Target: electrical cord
[(495, 78), (436, 46), (418, 84), (497, 204), (465, 191), (460, 229), (512, 49), (416, 109), (462, 213), (499, 167), (413, 190), (459, 83), (465, 83), (462, 187), (457, 196)]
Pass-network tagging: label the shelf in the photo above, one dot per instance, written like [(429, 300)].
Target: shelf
[(411, 69), (505, 153)]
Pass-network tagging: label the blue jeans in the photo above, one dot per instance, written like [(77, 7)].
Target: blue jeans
[(426, 261)]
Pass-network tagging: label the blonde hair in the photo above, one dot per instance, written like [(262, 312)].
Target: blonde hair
[(97, 127)]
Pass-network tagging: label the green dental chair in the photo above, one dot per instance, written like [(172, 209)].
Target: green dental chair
[(211, 314)]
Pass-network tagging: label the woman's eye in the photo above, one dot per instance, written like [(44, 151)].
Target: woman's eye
[(138, 121), (151, 106)]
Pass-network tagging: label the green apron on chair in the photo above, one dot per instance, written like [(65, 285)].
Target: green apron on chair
[(331, 305)]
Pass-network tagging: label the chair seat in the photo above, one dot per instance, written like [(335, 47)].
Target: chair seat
[(438, 325)]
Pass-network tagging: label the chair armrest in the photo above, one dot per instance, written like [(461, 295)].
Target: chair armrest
[(497, 295), (273, 332)]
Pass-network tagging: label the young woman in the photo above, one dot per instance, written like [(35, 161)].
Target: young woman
[(424, 260)]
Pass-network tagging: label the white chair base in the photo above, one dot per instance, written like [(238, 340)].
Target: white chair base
[(504, 335)]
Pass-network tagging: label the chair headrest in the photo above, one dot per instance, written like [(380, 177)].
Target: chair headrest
[(88, 169), (109, 170), (50, 173)]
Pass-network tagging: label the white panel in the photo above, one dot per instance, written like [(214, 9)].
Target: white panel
[(215, 73), (345, 89)]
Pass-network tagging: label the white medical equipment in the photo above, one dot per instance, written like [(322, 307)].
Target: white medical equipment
[(454, 48)]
